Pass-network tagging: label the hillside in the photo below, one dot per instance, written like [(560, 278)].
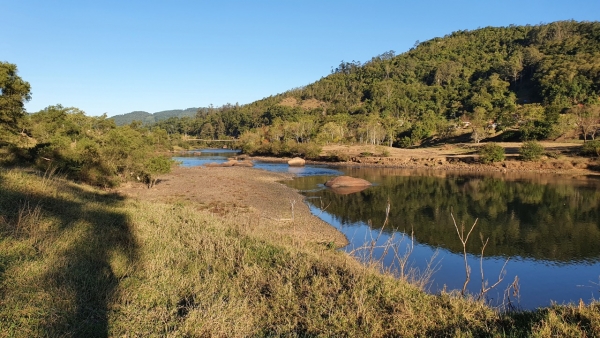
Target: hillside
[(512, 83), (147, 118)]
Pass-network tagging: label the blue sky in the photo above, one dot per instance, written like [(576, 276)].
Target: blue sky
[(115, 57)]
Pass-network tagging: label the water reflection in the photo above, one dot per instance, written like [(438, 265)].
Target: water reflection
[(554, 222), (549, 226)]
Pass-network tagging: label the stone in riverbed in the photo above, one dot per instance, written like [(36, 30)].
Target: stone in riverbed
[(244, 164), (229, 163), (346, 181), (296, 162)]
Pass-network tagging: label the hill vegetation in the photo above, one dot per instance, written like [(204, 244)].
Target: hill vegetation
[(146, 118), (512, 83)]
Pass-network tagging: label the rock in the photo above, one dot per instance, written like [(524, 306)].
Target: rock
[(296, 162), (346, 181), (244, 164), (229, 163)]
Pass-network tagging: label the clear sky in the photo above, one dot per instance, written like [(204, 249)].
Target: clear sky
[(115, 57)]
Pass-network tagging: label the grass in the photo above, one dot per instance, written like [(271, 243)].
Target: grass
[(80, 262)]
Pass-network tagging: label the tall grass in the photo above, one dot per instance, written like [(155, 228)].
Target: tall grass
[(78, 262)]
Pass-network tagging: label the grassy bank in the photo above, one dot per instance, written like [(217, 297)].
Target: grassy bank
[(75, 261)]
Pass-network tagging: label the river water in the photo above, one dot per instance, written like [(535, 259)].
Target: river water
[(543, 229)]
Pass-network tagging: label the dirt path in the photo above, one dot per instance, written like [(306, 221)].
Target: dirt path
[(253, 197)]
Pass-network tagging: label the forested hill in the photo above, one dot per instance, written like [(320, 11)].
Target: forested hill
[(536, 81), (147, 118)]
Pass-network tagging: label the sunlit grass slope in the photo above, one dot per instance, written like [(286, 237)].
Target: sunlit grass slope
[(80, 262)]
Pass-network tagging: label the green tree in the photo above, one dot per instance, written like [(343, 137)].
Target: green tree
[(14, 92), (491, 152), (155, 166), (531, 151)]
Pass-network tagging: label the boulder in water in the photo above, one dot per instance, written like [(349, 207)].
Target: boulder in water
[(346, 181), (296, 162)]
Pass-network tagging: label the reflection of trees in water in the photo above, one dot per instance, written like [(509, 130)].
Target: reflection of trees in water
[(556, 222)]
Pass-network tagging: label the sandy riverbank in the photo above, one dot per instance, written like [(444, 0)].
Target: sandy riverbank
[(564, 158), (253, 197)]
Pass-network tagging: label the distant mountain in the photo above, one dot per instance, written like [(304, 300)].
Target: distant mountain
[(147, 118)]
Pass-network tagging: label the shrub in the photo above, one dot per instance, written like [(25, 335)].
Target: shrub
[(405, 142), (338, 156), (531, 151), (312, 151), (383, 151), (155, 166), (591, 148), (491, 152)]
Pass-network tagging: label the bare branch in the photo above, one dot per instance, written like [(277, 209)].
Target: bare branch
[(464, 240)]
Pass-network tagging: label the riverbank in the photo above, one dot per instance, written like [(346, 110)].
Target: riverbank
[(181, 259), (255, 197), (560, 158)]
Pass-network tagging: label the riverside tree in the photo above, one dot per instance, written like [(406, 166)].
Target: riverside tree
[(93, 149), (14, 92)]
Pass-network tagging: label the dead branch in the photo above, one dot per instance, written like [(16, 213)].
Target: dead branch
[(484, 285), (464, 240)]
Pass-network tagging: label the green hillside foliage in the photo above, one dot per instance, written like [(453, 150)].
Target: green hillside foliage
[(147, 118), (141, 116), (524, 82)]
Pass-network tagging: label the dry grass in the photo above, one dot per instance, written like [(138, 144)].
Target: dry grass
[(77, 262)]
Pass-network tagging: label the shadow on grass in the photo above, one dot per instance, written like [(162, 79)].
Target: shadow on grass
[(90, 234)]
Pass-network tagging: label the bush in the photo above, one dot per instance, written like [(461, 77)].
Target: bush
[(591, 148), (155, 166), (405, 142), (491, 152), (531, 151), (338, 156), (311, 151), (384, 152)]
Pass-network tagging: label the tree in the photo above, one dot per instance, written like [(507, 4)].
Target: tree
[(491, 152), (155, 166), (14, 92), (587, 120), (531, 151)]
